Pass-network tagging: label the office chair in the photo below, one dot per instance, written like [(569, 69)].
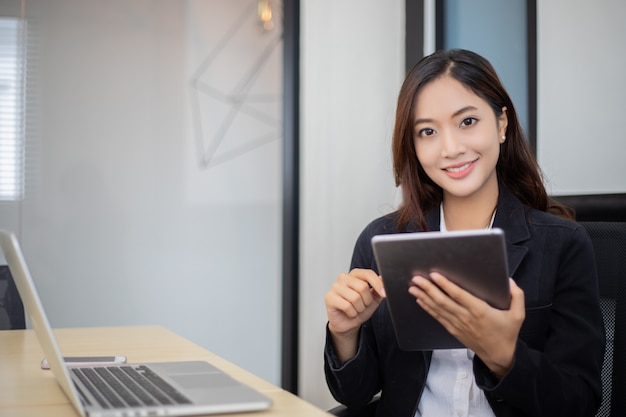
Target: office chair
[(609, 243), (11, 307)]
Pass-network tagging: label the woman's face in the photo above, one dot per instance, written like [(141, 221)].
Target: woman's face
[(457, 138)]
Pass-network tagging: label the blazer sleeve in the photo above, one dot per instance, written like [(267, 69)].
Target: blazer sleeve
[(563, 377), (357, 380)]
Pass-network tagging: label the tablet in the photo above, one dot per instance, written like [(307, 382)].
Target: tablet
[(473, 259)]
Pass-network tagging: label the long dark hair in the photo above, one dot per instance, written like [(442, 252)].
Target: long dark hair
[(517, 168)]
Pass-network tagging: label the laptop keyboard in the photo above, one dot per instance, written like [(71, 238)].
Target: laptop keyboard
[(128, 386)]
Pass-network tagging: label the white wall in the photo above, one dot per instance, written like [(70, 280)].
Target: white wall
[(581, 90), (121, 223), (352, 66)]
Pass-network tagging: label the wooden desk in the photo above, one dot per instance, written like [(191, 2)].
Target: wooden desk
[(27, 390)]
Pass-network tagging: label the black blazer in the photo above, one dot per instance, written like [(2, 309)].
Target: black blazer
[(558, 359)]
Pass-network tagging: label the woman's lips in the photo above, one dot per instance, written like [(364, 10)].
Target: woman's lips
[(460, 170)]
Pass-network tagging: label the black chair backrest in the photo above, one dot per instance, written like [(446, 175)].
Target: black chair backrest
[(11, 307), (609, 243)]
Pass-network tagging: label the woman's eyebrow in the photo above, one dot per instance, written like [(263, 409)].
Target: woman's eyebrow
[(418, 121), (455, 114), (463, 110)]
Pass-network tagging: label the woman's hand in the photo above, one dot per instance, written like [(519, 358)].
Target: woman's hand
[(489, 332), (350, 302)]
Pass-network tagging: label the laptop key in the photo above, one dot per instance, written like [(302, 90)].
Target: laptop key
[(117, 386), (133, 386), (94, 392), (102, 387)]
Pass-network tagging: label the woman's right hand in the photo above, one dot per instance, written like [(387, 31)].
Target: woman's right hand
[(350, 302)]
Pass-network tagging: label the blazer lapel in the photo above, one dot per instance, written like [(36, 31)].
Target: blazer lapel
[(511, 217)]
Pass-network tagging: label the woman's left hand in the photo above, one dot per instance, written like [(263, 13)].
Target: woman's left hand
[(489, 332)]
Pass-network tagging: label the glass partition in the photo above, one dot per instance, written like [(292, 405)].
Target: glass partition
[(152, 167)]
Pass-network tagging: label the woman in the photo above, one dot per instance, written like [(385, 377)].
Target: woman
[(462, 162)]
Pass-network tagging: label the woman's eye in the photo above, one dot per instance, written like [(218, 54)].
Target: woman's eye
[(469, 121), (426, 132)]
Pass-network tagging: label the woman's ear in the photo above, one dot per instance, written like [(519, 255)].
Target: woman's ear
[(503, 122)]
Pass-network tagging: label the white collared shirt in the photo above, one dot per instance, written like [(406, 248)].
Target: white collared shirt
[(450, 388)]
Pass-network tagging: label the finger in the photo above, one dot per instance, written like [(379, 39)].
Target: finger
[(451, 320), (360, 281), (344, 300), (437, 302), (355, 291), (357, 285), (430, 288), (517, 298), (422, 289), (335, 303), (453, 291), (373, 280), (426, 294)]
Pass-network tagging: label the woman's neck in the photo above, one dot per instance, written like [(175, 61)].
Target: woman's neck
[(469, 213)]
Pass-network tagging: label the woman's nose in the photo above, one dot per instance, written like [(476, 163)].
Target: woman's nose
[(451, 145)]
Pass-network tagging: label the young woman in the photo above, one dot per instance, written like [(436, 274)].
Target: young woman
[(462, 162)]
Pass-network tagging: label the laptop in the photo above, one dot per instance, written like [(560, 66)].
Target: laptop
[(475, 260), (168, 388)]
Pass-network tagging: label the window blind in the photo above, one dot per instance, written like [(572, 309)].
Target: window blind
[(12, 70)]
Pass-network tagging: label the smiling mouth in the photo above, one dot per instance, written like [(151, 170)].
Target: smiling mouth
[(459, 168)]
